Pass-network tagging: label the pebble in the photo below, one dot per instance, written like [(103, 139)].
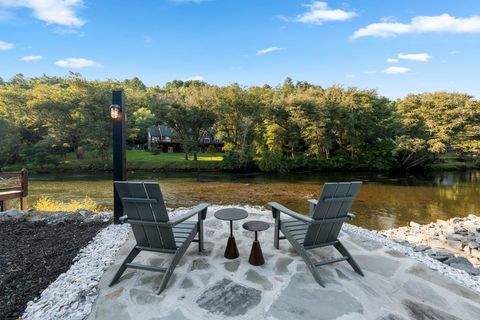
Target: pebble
[(71, 296)]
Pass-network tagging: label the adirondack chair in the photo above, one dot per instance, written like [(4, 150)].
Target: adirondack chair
[(154, 231), (321, 227)]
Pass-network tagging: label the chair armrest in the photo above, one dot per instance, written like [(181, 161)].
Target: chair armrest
[(123, 219), (312, 204), (291, 213), (195, 210), (350, 216)]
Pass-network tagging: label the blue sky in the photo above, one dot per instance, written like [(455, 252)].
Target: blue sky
[(396, 47)]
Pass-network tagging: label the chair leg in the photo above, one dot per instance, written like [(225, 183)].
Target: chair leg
[(276, 231), (306, 258), (122, 268), (200, 233), (341, 248), (176, 258)]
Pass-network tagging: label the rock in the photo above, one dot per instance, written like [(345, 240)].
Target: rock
[(435, 243), (421, 248), (458, 260), (414, 224), (422, 311), (413, 239), (475, 253), (455, 237), (455, 245), (224, 297), (473, 244)]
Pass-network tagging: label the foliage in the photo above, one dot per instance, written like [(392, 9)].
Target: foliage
[(295, 126), (48, 204)]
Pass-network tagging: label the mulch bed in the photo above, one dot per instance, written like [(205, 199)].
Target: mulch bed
[(33, 255)]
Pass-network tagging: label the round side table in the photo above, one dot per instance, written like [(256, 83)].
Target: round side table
[(231, 214), (256, 255)]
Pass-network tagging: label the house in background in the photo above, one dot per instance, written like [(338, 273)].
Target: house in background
[(163, 138)]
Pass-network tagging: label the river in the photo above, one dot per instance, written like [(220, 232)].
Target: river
[(384, 201)]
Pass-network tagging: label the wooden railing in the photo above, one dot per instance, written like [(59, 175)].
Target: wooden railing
[(13, 185)]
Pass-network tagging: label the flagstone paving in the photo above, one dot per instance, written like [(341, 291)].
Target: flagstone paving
[(208, 286)]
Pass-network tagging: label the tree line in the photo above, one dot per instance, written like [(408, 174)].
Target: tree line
[(294, 126)]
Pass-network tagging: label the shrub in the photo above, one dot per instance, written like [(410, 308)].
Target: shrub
[(272, 162), (48, 204)]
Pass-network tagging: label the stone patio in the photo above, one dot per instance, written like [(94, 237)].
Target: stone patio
[(207, 286)]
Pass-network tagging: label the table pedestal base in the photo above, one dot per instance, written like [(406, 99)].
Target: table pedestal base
[(231, 251), (256, 255)]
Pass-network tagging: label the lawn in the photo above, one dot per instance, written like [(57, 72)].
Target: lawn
[(136, 160)]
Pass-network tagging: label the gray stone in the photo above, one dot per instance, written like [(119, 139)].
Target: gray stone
[(365, 243), (422, 311), (300, 300), (435, 243), (229, 299), (199, 264), (455, 237), (231, 266), (421, 247), (473, 245), (378, 265), (391, 316), (454, 244), (187, 283), (458, 260), (255, 277), (395, 253), (281, 265)]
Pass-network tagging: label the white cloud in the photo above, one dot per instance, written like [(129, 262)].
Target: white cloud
[(319, 12), (61, 12), (268, 50), (395, 70), (454, 52), (421, 24), (5, 45), (196, 78), (350, 76), (77, 63), (422, 57), (31, 58), (392, 60)]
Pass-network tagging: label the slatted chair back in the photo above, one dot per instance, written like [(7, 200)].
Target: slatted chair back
[(332, 208), (143, 201)]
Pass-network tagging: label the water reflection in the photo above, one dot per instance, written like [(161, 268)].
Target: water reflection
[(384, 201)]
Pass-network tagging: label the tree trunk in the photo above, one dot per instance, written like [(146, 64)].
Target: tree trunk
[(186, 155), (195, 156)]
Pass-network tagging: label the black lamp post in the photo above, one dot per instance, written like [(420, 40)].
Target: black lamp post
[(117, 112)]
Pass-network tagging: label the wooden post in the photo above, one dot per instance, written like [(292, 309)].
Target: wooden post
[(119, 152), (23, 199)]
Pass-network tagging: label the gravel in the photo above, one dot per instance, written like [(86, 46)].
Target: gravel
[(71, 296), (33, 254), (460, 276)]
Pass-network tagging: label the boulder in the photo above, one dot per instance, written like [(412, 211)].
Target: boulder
[(421, 248)]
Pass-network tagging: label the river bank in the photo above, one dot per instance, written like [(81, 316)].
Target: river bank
[(455, 242), (140, 160)]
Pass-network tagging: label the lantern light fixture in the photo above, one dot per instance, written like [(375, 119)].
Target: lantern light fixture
[(115, 111)]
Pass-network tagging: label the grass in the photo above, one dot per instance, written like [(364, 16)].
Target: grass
[(136, 160), (452, 162)]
